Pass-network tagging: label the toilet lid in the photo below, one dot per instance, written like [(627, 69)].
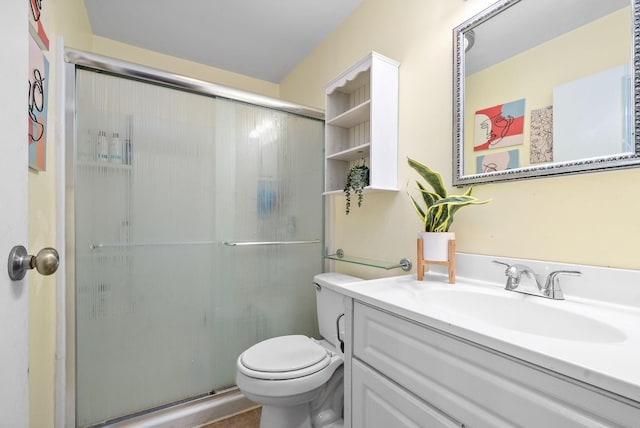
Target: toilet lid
[(285, 357)]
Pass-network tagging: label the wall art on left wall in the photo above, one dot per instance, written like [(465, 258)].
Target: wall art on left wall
[(38, 101), (35, 24)]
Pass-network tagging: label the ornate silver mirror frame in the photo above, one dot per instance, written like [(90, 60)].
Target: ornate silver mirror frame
[(623, 160)]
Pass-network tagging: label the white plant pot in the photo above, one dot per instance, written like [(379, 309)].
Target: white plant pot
[(435, 245)]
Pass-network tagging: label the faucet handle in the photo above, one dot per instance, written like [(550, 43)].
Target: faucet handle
[(552, 286), (512, 273), (498, 262)]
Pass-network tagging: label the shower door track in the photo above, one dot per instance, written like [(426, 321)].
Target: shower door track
[(139, 72), (70, 60)]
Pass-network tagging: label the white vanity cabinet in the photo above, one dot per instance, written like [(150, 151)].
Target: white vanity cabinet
[(362, 124), (379, 402), (400, 373)]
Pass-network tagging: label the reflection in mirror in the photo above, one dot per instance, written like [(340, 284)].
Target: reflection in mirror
[(545, 87)]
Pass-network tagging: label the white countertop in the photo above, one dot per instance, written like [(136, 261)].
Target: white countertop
[(613, 365)]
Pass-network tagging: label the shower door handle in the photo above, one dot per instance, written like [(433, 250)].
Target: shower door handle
[(252, 243), (46, 262)]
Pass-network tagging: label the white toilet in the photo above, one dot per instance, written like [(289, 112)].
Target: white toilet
[(299, 380)]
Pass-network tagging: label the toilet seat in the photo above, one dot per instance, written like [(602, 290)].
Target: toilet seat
[(284, 357)]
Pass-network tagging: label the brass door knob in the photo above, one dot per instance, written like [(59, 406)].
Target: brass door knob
[(46, 262)]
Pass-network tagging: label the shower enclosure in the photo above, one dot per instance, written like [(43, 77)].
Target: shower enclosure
[(197, 226)]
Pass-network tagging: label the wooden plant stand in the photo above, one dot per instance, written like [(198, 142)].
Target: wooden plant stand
[(451, 263)]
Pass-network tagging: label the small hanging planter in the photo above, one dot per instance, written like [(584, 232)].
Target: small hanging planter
[(357, 180)]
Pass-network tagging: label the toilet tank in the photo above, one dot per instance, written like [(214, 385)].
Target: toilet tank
[(330, 305)]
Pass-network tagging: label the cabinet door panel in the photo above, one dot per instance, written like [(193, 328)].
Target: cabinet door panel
[(379, 403), (480, 386)]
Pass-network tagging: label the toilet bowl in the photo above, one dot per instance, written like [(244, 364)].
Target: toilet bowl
[(298, 380)]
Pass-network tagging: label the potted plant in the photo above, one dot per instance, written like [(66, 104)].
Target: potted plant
[(357, 180), (438, 211)]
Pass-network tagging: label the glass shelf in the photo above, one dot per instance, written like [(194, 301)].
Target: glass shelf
[(405, 264)]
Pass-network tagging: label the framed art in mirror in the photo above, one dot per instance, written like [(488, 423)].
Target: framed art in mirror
[(546, 87)]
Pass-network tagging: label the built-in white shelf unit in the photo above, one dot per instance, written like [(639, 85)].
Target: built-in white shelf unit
[(362, 124)]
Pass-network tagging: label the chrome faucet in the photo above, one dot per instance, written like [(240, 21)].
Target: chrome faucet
[(514, 275), (551, 288)]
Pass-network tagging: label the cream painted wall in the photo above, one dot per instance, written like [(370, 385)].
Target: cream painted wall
[(56, 14), (136, 55), (565, 219)]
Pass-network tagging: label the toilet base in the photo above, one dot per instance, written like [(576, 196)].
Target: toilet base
[(285, 417), (322, 408)]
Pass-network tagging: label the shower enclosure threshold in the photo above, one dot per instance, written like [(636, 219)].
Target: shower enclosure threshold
[(192, 413)]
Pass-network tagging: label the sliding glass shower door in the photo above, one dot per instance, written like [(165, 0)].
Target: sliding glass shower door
[(197, 233)]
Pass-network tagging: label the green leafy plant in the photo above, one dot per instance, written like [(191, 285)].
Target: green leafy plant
[(440, 208), (357, 180)]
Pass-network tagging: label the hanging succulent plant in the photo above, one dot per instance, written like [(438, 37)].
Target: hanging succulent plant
[(357, 180)]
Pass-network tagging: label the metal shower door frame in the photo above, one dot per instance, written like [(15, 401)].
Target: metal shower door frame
[(65, 381)]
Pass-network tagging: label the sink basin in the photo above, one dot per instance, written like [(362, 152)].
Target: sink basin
[(520, 313), (592, 340)]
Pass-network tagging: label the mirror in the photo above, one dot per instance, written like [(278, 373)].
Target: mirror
[(546, 87)]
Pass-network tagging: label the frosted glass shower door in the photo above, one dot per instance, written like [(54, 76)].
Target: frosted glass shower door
[(166, 182), (270, 172)]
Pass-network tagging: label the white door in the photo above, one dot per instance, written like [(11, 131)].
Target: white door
[(14, 33)]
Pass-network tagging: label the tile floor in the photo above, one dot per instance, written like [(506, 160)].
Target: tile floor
[(247, 419)]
